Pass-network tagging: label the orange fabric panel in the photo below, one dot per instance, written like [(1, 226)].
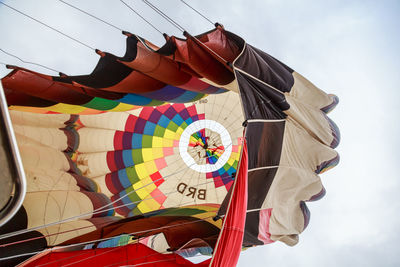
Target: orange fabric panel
[(158, 67)]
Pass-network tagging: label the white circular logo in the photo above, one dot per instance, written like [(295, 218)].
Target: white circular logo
[(197, 126)]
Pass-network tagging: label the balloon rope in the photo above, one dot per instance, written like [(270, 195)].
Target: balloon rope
[(71, 230), (195, 10), (179, 27), (100, 209), (151, 183), (48, 26), (104, 239), (143, 18), (91, 15), (165, 16), (27, 62), (48, 235)]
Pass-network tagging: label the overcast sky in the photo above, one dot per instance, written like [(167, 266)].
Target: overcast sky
[(348, 48)]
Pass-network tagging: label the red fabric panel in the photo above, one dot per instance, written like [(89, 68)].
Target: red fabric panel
[(43, 87), (229, 245), (164, 69), (158, 67), (21, 99), (207, 54), (202, 61), (132, 255), (219, 42)]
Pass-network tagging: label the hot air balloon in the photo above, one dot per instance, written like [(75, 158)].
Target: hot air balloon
[(179, 149)]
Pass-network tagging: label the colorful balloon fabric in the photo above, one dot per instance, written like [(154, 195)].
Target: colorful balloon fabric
[(156, 136)]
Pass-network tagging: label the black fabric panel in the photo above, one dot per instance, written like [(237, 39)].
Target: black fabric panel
[(131, 49), (266, 68), (264, 141), (260, 101), (39, 243), (108, 72), (167, 49), (19, 222), (250, 237), (259, 183)]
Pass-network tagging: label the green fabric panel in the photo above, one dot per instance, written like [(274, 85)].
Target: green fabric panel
[(235, 164), (172, 126), (156, 103), (184, 125), (137, 156), (136, 211), (101, 104), (133, 196), (198, 97), (147, 141), (159, 131), (182, 211), (132, 175)]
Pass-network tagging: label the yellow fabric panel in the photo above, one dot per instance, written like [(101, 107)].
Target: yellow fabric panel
[(123, 107), (141, 170), (147, 154), (150, 204), (143, 207), (157, 141), (148, 182), (168, 142), (158, 152), (151, 167), (168, 134), (140, 189)]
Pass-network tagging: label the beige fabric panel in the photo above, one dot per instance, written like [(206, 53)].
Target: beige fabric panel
[(43, 158), (307, 92), (52, 206), (93, 164), (135, 112), (295, 181), (50, 137), (101, 184), (299, 150), (49, 179), (62, 232), (109, 120), (156, 242), (95, 140), (290, 186), (232, 86), (225, 109), (39, 120), (313, 120)]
